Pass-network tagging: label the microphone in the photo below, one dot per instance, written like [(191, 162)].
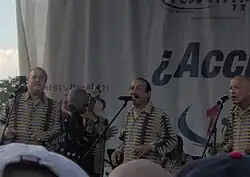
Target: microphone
[(125, 98), (223, 99), (21, 89)]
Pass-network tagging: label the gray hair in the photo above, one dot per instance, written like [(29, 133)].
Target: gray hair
[(77, 98)]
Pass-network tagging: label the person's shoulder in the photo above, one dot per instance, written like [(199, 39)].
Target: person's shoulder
[(159, 111), (102, 119), (233, 108), (53, 101)]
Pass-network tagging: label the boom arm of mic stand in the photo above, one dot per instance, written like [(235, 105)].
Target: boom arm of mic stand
[(213, 132), (7, 120), (105, 130)]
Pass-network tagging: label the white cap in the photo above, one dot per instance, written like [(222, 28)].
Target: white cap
[(58, 164)]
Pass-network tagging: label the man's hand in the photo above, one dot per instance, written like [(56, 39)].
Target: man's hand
[(142, 150), (89, 115), (111, 132), (227, 148), (10, 133), (116, 158), (247, 151), (38, 136)]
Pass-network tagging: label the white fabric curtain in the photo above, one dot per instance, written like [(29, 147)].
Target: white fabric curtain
[(110, 42)]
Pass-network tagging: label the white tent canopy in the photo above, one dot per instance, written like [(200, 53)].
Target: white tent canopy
[(188, 51)]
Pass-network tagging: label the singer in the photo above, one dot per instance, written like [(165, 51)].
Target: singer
[(147, 132), (237, 130), (35, 118)]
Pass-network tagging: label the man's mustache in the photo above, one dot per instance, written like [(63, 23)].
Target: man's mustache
[(135, 96)]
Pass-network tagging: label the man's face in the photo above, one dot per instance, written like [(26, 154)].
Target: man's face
[(78, 99), (36, 81), (240, 89), (138, 91)]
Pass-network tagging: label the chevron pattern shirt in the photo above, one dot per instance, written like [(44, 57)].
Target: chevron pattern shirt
[(237, 134), (151, 126), (29, 118)]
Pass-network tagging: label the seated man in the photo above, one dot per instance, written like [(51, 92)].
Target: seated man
[(22, 160), (176, 159)]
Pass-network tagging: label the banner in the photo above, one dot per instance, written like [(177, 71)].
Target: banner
[(188, 49)]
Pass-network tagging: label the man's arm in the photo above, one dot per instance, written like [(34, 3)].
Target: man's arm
[(227, 143), (54, 128), (168, 138), (121, 137), (117, 156), (5, 112)]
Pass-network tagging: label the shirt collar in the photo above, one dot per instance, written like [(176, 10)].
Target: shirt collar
[(146, 110), (43, 98)]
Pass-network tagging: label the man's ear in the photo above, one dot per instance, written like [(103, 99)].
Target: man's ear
[(149, 95)]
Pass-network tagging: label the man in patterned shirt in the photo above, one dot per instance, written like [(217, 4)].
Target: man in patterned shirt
[(82, 128), (237, 134), (35, 118), (147, 133), (176, 159)]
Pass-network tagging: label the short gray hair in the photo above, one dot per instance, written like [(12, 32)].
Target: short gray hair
[(76, 98)]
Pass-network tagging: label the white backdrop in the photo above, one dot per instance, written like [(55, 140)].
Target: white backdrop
[(110, 42)]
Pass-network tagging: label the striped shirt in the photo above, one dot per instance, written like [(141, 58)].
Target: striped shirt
[(151, 126), (173, 166), (29, 117), (237, 133)]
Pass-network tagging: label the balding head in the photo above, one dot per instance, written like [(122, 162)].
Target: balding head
[(240, 89), (78, 98), (139, 168)]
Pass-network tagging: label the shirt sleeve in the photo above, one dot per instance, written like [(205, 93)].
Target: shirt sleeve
[(5, 112), (100, 125), (54, 128), (168, 138), (227, 143), (123, 130)]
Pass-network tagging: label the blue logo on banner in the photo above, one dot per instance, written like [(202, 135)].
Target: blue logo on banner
[(187, 132), (191, 61)]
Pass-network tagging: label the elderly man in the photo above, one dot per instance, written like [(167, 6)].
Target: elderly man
[(237, 131), (147, 132), (82, 128), (35, 118)]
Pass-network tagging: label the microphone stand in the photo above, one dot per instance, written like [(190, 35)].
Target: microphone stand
[(104, 131), (213, 132), (8, 118)]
